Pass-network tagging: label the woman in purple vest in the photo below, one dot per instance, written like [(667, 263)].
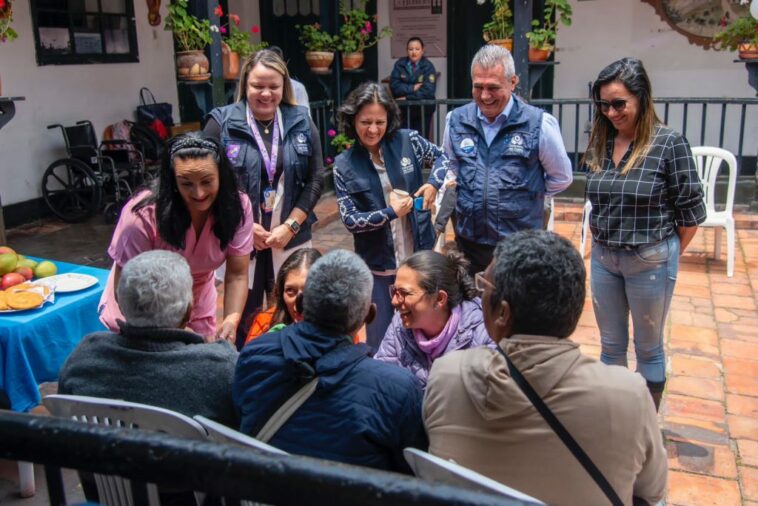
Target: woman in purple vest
[(376, 182)]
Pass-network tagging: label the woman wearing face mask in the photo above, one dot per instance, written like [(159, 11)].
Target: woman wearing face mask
[(415, 78), (437, 311), (647, 201), (375, 182), (289, 284), (275, 150)]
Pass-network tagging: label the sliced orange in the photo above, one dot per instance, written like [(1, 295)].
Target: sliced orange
[(3, 302), (24, 300)]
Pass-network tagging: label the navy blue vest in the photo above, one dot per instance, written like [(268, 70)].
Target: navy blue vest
[(362, 182), (501, 187), (243, 153)]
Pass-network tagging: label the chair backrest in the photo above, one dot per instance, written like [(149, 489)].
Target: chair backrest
[(709, 160), (222, 434), (428, 467), (113, 490)]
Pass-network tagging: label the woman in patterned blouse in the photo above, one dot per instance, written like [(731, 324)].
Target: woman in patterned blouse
[(376, 181), (647, 201)]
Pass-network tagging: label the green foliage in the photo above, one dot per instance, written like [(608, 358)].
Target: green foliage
[(341, 142), (7, 33), (543, 35), (239, 42), (743, 30), (358, 30), (316, 39), (190, 32), (500, 26)]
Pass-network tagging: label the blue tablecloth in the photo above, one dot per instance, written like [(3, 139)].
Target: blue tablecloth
[(35, 343)]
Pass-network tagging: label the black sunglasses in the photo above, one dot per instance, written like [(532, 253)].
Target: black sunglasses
[(618, 104)]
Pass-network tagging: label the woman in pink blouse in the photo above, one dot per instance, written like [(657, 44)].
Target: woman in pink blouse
[(196, 210)]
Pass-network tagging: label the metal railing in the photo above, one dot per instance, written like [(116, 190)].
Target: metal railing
[(729, 123), (220, 470)]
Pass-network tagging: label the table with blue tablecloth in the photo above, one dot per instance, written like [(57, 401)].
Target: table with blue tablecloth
[(35, 343)]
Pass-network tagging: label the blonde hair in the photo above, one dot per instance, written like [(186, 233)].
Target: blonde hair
[(631, 73), (273, 61)]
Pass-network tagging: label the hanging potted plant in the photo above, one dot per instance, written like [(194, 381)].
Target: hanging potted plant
[(740, 35), (542, 37), (499, 29), (319, 47), (192, 36), (357, 33), (235, 45)]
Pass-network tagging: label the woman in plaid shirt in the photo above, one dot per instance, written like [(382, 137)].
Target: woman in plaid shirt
[(647, 201)]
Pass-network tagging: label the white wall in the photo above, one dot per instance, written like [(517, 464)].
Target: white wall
[(101, 93)]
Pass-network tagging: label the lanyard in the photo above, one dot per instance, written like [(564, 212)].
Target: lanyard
[(268, 161)]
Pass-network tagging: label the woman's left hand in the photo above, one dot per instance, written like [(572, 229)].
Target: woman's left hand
[(280, 237), (429, 193)]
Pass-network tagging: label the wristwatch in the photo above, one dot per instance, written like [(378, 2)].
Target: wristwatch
[(293, 225)]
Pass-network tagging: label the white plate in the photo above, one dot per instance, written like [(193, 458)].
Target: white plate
[(69, 282)]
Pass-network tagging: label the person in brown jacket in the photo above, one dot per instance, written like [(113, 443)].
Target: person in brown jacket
[(533, 293)]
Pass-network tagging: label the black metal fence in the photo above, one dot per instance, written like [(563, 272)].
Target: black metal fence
[(729, 123), (231, 472)]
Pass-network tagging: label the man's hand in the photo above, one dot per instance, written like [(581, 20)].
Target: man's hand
[(429, 193), (279, 237)]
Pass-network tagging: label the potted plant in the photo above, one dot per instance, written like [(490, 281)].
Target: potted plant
[(740, 35), (499, 29), (319, 47), (542, 37), (192, 36), (235, 45), (6, 32), (357, 33)]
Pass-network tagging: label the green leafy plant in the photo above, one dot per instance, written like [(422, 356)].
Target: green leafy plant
[(340, 142), (239, 40), (190, 33), (7, 33), (743, 30), (500, 25), (543, 35), (358, 30), (316, 39)]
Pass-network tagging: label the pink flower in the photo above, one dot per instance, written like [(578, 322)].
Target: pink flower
[(223, 30), (218, 11), (255, 29), (2, 4), (328, 160), (235, 19), (364, 32), (317, 26), (368, 26), (331, 132)]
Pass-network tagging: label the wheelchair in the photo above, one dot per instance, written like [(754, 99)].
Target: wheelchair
[(94, 177)]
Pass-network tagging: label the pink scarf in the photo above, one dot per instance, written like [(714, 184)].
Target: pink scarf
[(434, 347)]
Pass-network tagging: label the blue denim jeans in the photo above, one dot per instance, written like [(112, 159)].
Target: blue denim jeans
[(640, 281), (380, 295)]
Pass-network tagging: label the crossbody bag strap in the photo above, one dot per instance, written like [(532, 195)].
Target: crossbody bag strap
[(562, 433), (286, 411)]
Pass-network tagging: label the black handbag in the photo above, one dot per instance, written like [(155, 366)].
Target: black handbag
[(149, 110)]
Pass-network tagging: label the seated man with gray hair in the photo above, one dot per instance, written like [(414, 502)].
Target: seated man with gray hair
[(362, 411), (154, 361)]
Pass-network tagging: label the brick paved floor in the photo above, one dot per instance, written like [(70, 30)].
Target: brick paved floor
[(709, 415)]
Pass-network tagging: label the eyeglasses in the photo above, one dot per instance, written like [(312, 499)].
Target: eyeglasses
[(618, 104), (481, 283), (400, 293)]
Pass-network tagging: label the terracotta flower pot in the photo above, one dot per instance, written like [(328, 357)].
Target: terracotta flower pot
[(504, 43), (230, 61), (748, 51), (539, 53), (352, 61), (319, 61), (192, 66)]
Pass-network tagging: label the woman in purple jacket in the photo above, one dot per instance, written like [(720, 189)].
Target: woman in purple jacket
[(436, 311)]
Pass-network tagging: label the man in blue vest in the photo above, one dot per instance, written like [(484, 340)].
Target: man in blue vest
[(507, 155)]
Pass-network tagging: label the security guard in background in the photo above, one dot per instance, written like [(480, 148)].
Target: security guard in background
[(415, 78)]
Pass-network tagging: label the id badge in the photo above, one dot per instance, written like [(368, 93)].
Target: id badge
[(269, 197)]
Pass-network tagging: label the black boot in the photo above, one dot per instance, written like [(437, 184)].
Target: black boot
[(656, 392)]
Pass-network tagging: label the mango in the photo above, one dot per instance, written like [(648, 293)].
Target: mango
[(45, 268), (8, 263)]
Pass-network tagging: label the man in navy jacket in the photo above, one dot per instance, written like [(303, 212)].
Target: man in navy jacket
[(363, 411)]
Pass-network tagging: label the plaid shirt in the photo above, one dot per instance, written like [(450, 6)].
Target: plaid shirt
[(647, 204)]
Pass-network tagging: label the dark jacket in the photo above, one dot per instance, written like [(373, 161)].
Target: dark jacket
[(361, 198), (303, 179), (363, 412), (169, 368), (501, 187), (403, 78), (399, 346)]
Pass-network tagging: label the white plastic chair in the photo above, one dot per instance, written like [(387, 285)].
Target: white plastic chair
[(113, 490), (708, 161), (585, 227), (428, 467), (222, 434)]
